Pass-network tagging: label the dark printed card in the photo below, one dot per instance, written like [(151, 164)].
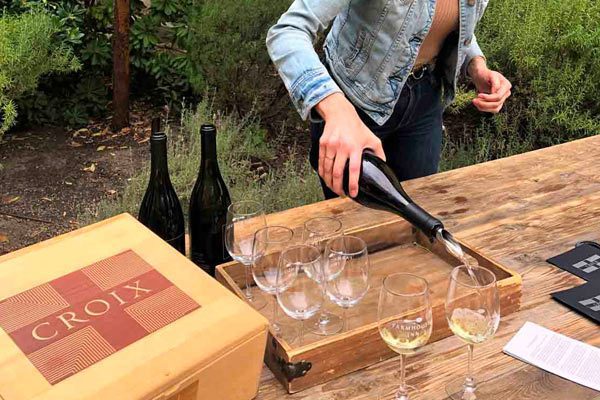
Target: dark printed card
[(584, 299), (583, 261)]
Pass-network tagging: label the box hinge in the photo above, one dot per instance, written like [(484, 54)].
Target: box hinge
[(292, 371)]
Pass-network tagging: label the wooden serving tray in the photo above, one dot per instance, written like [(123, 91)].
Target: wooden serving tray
[(394, 246)]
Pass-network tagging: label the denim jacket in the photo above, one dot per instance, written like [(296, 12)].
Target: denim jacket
[(370, 50)]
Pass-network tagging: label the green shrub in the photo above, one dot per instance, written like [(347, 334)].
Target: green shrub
[(29, 49), (229, 57), (249, 164), (550, 50), (159, 63)]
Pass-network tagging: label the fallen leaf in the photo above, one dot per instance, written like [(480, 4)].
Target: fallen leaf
[(75, 144), (124, 147), (113, 154), (111, 192), (101, 148), (46, 198), (68, 183), (9, 200), (80, 131), (90, 168), (3, 238), (64, 213), (144, 140)]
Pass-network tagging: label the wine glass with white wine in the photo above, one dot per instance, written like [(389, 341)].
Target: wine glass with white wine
[(405, 322), (473, 314)]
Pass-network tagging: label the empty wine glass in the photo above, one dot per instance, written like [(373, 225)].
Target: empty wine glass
[(473, 314), (299, 295), (405, 321), (269, 243), (318, 231), (346, 272), (244, 218)]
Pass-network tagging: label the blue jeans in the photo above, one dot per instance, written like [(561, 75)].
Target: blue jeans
[(412, 137)]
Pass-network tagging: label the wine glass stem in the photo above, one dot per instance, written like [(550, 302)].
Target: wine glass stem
[(248, 291), (470, 381), (301, 332), (344, 320), (403, 391), (275, 312)]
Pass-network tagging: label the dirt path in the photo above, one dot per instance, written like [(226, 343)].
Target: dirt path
[(49, 177)]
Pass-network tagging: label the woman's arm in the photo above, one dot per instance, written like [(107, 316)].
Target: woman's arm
[(345, 136), (290, 43)]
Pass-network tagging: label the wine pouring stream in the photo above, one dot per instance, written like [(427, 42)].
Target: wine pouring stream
[(380, 189)]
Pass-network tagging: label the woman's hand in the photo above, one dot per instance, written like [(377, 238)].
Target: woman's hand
[(492, 86), (345, 137)]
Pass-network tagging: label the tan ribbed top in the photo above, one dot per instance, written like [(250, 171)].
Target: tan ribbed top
[(445, 20)]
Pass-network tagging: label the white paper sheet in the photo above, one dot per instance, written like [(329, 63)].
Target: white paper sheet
[(569, 358)]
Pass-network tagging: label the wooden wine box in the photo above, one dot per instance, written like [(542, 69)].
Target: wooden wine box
[(394, 246), (110, 311)]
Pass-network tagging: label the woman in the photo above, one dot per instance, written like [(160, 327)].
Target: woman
[(390, 68)]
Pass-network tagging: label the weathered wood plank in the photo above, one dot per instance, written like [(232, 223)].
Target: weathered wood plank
[(519, 211)]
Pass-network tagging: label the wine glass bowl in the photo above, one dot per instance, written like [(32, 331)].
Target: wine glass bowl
[(473, 314), (405, 320), (473, 310), (298, 294), (244, 218), (346, 272)]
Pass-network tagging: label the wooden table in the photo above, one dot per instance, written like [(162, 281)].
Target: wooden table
[(520, 211)]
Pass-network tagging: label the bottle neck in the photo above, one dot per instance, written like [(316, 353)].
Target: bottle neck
[(209, 149), (159, 169)]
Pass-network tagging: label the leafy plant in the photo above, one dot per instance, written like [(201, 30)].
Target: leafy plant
[(549, 49), (29, 49)]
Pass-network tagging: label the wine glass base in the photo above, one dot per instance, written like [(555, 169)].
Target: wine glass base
[(325, 324), (391, 393), (456, 390), (258, 300)]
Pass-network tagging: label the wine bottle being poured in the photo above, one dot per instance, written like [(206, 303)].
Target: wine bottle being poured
[(379, 188)]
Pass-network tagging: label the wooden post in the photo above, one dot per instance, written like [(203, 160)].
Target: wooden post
[(121, 65)]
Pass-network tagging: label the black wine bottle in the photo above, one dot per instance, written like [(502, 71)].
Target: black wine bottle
[(160, 209), (208, 207), (379, 188)]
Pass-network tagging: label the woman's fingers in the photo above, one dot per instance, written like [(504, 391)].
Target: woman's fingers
[(501, 94), (337, 173), (355, 160), (491, 106)]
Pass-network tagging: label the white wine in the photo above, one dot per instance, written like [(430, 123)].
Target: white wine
[(471, 326), (405, 337)]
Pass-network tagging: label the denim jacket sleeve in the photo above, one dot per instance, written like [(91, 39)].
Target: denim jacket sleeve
[(290, 43), (471, 51)]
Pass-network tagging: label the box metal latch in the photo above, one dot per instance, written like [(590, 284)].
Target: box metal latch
[(292, 371)]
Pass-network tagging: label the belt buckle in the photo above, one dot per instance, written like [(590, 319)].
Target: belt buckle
[(420, 72)]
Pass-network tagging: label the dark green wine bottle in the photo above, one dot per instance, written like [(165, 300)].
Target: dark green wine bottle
[(160, 209), (208, 207)]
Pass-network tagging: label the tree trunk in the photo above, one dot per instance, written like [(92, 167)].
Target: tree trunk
[(121, 65)]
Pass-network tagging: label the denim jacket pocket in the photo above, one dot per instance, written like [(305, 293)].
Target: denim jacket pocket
[(354, 60)]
